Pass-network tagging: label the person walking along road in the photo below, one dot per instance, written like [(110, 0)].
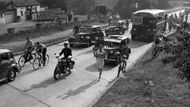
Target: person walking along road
[(100, 56)]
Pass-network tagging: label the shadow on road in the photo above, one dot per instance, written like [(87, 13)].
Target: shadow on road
[(77, 91), (136, 44), (86, 52), (3, 83), (43, 84), (93, 68)]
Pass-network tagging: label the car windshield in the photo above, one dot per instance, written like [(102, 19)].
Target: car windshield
[(85, 30), (112, 44)]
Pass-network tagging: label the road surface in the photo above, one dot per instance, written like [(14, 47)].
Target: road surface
[(80, 89)]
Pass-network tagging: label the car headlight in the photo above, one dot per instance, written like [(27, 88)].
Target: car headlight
[(82, 37), (116, 53)]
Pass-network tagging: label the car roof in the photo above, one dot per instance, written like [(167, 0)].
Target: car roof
[(150, 11), (115, 38), (4, 51), (91, 26)]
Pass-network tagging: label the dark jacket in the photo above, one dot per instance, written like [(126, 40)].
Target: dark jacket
[(66, 51)]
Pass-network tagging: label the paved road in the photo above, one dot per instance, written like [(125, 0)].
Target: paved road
[(80, 89)]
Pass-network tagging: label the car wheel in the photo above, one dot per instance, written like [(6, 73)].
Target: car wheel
[(11, 75)]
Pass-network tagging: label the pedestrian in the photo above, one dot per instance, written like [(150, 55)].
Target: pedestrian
[(100, 56), (110, 20)]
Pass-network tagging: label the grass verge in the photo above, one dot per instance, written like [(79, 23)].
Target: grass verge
[(131, 90)]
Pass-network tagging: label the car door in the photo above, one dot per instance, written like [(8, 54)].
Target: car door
[(4, 65)]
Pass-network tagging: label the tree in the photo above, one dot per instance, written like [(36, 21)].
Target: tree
[(54, 3), (2, 5), (81, 6), (126, 7), (177, 53)]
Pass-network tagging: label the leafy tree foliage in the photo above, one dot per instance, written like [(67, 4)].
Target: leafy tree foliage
[(178, 54), (2, 5), (126, 7), (54, 3), (81, 6)]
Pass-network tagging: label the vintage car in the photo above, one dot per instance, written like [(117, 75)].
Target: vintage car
[(86, 36), (114, 30), (8, 65), (112, 48)]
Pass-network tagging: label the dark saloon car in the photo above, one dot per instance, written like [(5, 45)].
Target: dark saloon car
[(8, 65), (87, 35), (112, 47), (114, 30)]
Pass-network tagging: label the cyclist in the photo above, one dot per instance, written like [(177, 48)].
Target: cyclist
[(28, 49), (125, 51), (41, 48), (67, 52)]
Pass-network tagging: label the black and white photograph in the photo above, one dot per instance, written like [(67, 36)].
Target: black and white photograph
[(94, 53)]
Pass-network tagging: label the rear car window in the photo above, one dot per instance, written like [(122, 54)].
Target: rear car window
[(4, 56)]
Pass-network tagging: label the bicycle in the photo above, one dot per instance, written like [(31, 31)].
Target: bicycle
[(22, 62), (122, 66), (38, 61)]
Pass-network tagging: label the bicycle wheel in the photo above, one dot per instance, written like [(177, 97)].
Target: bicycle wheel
[(36, 64), (124, 66), (21, 61), (33, 57), (119, 70)]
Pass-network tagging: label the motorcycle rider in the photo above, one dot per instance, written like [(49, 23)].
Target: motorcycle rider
[(28, 49), (67, 52), (41, 48)]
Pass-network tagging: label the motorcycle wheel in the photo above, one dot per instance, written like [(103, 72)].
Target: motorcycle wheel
[(57, 74)]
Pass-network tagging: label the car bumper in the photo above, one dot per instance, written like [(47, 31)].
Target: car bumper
[(78, 43), (110, 59)]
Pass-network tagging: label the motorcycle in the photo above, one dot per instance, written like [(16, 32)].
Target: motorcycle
[(63, 68)]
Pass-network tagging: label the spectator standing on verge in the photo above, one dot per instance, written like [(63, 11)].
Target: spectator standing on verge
[(100, 56)]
